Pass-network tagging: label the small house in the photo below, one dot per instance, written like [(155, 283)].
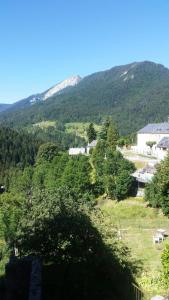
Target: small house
[(77, 151), (91, 146)]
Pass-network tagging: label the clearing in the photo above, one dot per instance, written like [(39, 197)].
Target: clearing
[(80, 128)]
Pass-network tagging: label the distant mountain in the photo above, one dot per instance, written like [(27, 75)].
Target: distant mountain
[(133, 94), (36, 98), (4, 107)]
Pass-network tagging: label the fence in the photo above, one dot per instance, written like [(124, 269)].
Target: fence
[(138, 293)]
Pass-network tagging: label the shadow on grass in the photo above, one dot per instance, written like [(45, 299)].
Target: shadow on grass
[(76, 263)]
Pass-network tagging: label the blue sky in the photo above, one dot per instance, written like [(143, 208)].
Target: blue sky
[(46, 41)]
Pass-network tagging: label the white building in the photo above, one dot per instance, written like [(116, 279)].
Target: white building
[(91, 146), (77, 151), (154, 133)]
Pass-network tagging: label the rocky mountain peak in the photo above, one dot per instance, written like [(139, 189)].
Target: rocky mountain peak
[(72, 81)]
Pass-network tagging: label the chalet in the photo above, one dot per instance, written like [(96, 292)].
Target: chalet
[(153, 140), (86, 150), (77, 151)]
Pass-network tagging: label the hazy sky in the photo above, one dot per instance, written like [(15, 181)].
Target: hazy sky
[(45, 41)]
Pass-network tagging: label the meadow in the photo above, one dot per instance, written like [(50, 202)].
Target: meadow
[(80, 128), (136, 224)]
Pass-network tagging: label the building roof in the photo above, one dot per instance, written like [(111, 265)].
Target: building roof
[(155, 128), (164, 143), (92, 144), (145, 174)]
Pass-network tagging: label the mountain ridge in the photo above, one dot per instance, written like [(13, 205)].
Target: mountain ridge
[(4, 106), (133, 94), (36, 98)]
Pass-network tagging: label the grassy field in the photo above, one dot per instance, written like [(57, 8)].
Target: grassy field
[(80, 128), (45, 124), (137, 224)]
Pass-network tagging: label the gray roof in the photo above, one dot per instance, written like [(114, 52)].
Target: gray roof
[(92, 144), (155, 128), (164, 143), (148, 169)]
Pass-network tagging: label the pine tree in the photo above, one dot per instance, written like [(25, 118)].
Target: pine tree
[(91, 133), (112, 136), (104, 129)]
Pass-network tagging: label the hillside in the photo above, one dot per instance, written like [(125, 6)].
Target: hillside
[(4, 107), (134, 94), (16, 150), (59, 88)]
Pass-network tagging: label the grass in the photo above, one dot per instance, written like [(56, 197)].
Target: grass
[(80, 128), (137, 224), (132, 154), (45, 124)]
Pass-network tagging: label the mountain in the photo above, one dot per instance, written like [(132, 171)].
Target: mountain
[(4, 107), (133, 94), (59, 88)]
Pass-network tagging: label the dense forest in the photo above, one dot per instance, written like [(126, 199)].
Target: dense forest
[(17, 150), (134, 95), (57, 134)]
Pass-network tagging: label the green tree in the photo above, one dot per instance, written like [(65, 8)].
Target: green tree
[(47, 152), (150, 143), (85, 256), (40, 173), (53, 178), (124, 185), (91, 133), (165, 264), (76, 175), (118, 180), (112, 136), (104, 129), (98, 156), (11, 213), (157, 191), (24, 183)]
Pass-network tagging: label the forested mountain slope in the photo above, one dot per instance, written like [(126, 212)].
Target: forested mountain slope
[(16, 149), (134, 94), (4, 106)]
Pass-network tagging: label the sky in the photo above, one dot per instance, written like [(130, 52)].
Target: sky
[(43, 42)]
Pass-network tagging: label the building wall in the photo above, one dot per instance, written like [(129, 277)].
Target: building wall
[(142, 138), (76, 151), (161, 153)]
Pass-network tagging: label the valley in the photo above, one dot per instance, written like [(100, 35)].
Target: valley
[(97, 189)]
